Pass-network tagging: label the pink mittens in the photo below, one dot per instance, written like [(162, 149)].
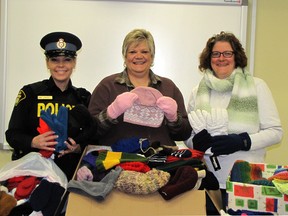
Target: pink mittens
[(122, 102), (169, 107)]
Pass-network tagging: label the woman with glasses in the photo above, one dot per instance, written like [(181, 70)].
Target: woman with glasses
[(232, 113)]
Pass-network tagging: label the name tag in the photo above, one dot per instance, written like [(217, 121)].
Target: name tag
[(45, 97)]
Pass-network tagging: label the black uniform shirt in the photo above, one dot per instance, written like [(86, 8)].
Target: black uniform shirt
[(30, 101)]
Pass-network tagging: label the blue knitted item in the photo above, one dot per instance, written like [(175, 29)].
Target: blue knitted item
[(130, 145), (241, 172), (280, 170), (59, 124), (90, 158)]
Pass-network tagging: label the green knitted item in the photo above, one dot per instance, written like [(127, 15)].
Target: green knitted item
[(242, 108), (244, 172), (108, 159), (241, 172)]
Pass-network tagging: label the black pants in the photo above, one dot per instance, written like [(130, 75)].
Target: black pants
[(210, 207)]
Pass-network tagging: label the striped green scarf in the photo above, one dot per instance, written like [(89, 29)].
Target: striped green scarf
[(242, 108)]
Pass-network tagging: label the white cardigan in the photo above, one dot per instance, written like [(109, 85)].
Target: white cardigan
[(270, 132)]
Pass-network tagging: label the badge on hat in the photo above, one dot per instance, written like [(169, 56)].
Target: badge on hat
[(61, 44)]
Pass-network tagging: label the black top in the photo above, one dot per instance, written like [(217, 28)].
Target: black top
[(30, 101)]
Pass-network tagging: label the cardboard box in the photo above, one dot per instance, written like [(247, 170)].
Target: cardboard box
[(259, 198), (119, 203)]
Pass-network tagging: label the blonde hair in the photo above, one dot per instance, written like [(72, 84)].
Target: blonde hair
[(137, 36)]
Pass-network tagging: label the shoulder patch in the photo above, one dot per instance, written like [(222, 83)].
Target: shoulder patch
[(21, 96)]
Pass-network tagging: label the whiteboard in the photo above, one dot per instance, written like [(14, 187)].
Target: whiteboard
[(180, 30)]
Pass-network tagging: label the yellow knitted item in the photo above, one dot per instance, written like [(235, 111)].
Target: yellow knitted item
[(108, 159)]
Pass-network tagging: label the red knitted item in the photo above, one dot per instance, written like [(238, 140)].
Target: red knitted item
[(43, 128), (14, 181), (135, 166), (194, 154), (172, 159), (25, 188), (256, 172), (197, 154), (281, 176)]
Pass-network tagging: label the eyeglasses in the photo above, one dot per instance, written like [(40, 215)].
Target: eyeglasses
[(226, 54)]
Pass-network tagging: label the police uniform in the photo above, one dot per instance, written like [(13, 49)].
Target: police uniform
[(45, 94)]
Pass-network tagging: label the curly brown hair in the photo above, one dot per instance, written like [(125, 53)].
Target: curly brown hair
[(239, 52)]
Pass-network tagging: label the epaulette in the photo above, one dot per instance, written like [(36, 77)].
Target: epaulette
[(38, 87), (83, 95)]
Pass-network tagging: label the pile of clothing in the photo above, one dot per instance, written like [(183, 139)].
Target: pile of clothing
[(135, 166), (245, 172), (275, 178), (30, 184)]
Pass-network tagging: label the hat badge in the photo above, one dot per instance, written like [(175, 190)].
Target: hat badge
[(61, 44)]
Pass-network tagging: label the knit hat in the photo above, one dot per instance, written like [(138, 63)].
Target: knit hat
[(134, 182), (244, 172), (144, 111), (184, 179), (7, 203), (107, 159)]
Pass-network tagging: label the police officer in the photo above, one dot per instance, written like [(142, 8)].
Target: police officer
[(61, 51)]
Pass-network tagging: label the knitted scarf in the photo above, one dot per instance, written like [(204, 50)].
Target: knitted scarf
[(242, 108)]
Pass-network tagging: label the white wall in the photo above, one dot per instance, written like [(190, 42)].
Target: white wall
[(180, 32)]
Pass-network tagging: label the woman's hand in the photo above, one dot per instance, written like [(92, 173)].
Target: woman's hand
[(72, 147), (45, 141)]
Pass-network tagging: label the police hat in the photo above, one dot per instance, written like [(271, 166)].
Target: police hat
[(60, 44)]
